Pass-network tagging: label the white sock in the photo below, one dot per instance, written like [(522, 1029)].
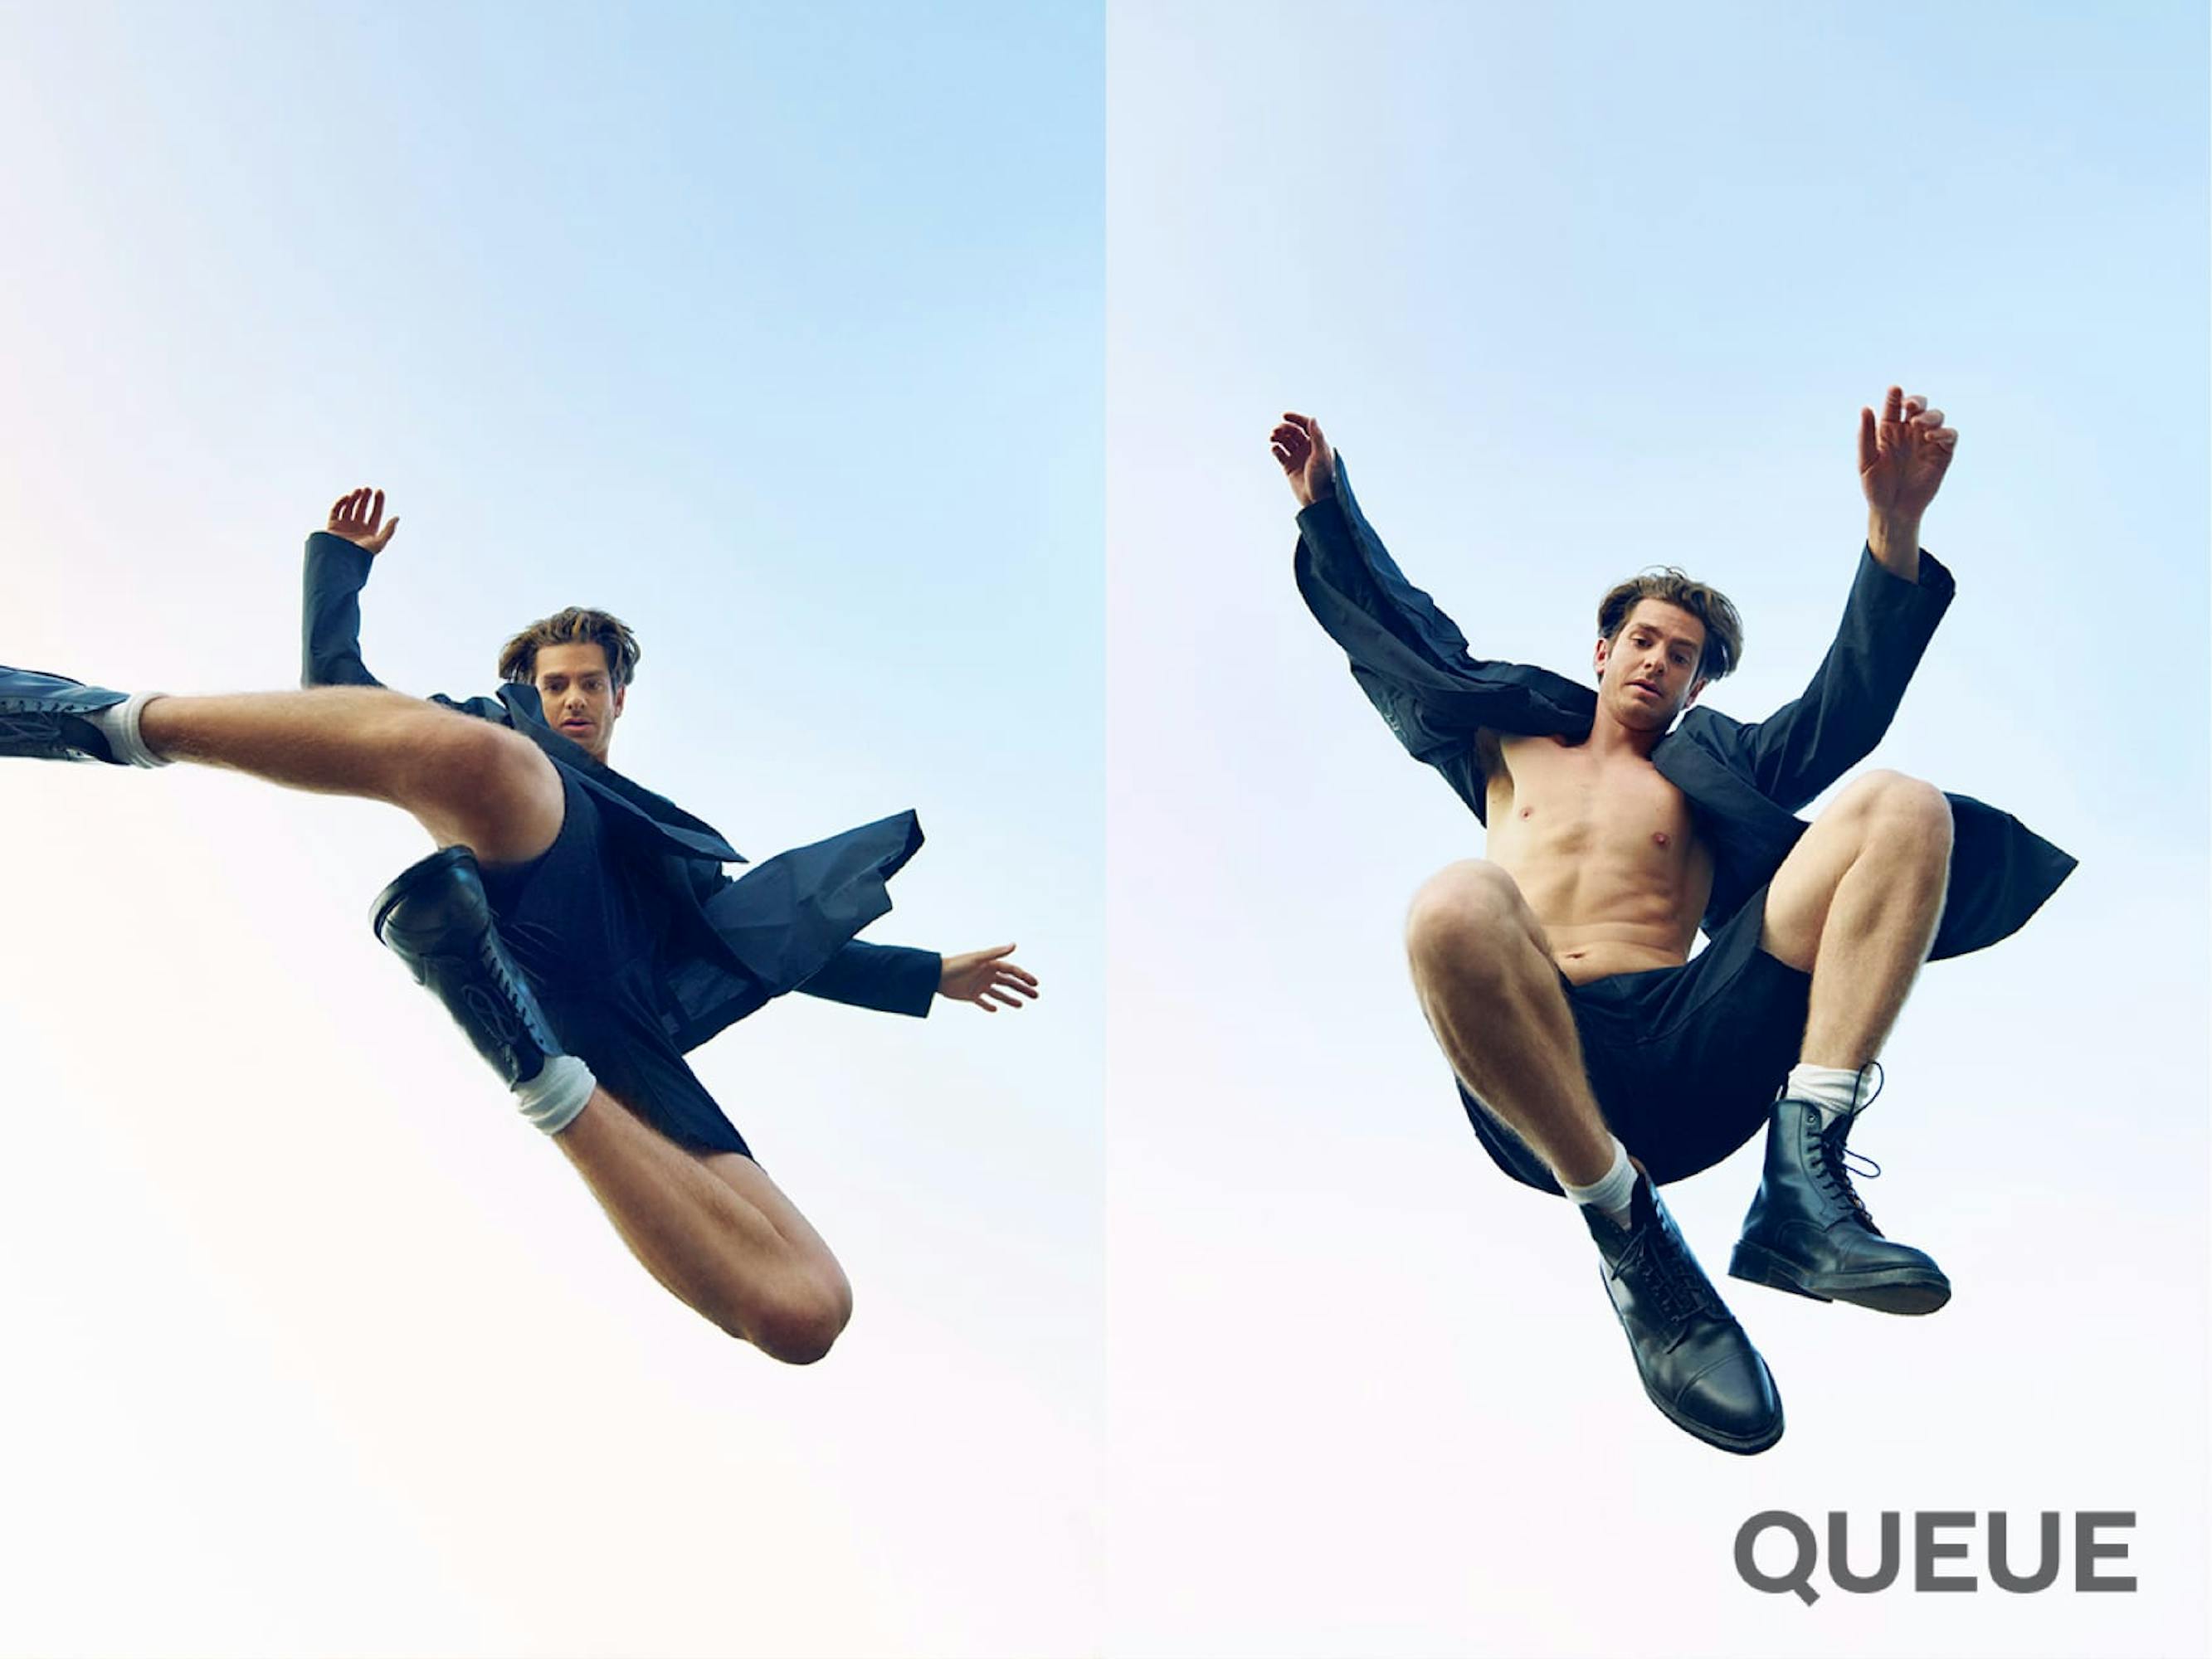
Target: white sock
[(1833, 1089), (118, 724), (1609, 1194), (561, 1088)]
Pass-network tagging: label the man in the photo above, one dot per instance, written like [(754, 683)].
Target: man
[(612, 898), (1595, 1056)]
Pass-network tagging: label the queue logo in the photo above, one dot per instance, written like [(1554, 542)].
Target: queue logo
[(1939, 1538)]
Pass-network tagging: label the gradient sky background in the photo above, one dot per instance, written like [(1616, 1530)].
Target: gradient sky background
[(777, 331), (1578, 290)]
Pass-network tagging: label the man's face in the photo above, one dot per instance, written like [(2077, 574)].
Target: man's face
[(1649, 674), (579, 694)]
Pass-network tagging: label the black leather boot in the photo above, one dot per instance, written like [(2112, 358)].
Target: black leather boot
[(1809, 1232), (436, 919), (1697, 1366), (42, 717)]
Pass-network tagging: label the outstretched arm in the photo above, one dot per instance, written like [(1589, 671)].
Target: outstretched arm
[(899, 980), (1897, 597), (990, 979), (339, 557), (1408, 657)]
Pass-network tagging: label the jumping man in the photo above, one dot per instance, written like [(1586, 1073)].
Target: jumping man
[(620, 945), (1595, 1056)]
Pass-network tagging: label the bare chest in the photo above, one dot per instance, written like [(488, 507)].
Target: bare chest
[(1563, 801)]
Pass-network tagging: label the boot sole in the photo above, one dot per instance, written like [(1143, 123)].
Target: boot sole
[(1893, 1290)]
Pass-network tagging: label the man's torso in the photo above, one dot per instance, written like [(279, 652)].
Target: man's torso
[(1604, 849)]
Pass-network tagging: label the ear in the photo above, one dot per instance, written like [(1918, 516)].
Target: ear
[(1604, 651), (1696, 686), (621, 693)]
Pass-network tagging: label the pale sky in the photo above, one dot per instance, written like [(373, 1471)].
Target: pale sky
[(903, 376), (778, 333)]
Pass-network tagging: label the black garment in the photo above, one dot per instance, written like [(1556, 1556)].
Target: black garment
[(1685, 1061), (588, 927), (729, 945), (1745, 781)]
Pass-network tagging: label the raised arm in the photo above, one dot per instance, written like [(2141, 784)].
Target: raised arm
[(1408, 656), (1897, 596), (338, 558)]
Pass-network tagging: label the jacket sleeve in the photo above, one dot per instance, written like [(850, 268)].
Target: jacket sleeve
[(1807, 744), (330, 615), (1410, 658), (894, 979)]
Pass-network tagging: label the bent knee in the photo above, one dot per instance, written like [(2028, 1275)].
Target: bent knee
[(1902, 805), (490, 787), (1469, 909), (801, 1328)]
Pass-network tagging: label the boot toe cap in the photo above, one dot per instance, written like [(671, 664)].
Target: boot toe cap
[(1731, 1402)]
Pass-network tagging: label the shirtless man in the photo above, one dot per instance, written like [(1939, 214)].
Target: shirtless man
[(628, 945), (1597, 1057)]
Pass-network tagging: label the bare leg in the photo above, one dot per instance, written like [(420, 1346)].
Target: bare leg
[(1856, 904), (715, 1231), (1484, 975), (466, 779)]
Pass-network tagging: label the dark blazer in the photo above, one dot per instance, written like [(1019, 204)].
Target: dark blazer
[(1745, 781), (786, 925)]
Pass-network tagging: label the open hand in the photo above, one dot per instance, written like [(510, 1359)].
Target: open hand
[(1903, 456), (1305, 458), (357, 516), (987, 978)]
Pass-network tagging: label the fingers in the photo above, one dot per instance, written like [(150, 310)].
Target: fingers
[(1903, 419)]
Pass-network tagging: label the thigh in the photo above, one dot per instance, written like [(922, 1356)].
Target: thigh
[(488, 788), (1798, 897), (750, 1182)]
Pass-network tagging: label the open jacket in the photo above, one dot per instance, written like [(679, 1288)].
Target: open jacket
[(786, 925), (1745, 780)]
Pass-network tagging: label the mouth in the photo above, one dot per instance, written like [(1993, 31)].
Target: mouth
[(1645, 687), (575, 726)]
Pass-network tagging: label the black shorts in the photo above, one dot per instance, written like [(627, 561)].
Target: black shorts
[(585, 924), (1683, 1061)]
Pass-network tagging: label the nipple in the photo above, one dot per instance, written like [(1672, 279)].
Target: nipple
[(1659, 837), (1526, 810)]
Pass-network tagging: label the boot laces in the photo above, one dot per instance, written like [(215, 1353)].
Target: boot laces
[(1683, 1292), (1833, 1165)]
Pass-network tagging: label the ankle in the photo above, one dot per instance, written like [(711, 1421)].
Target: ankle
[(122, 725), (1838, 1092), (1609, 1195)]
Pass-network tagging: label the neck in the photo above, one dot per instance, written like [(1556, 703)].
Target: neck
[(1611, 735)]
